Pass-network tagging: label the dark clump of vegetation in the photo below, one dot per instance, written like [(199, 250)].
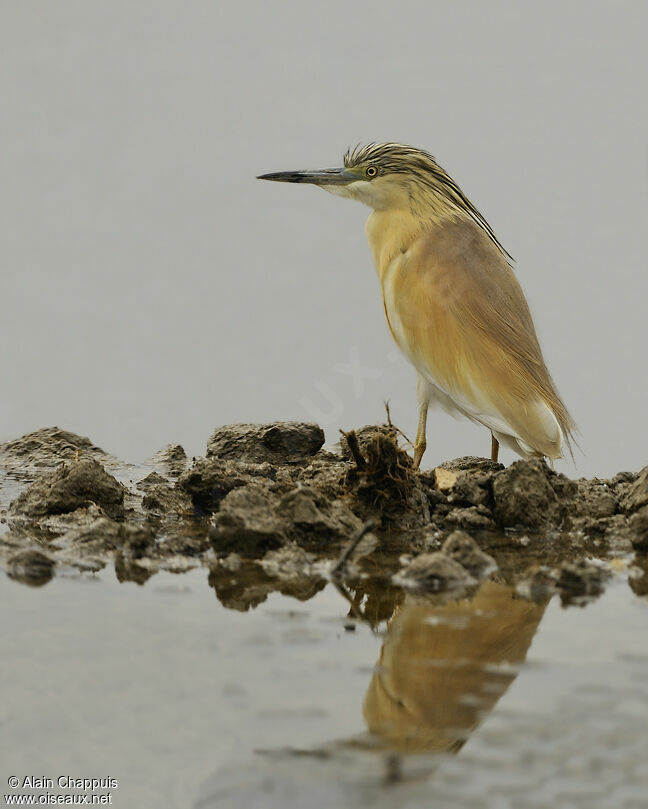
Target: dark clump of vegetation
[(383, 475)]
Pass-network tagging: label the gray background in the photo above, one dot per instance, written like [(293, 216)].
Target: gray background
[(153, 289)]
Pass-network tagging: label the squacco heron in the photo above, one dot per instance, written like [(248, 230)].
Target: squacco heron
[(452, 301)]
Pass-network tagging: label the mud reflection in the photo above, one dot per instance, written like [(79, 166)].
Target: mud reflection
[(443, 667)]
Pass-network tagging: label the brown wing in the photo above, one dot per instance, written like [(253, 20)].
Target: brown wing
[(465, 318)]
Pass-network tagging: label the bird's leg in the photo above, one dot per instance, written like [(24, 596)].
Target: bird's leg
[(420, 443), (494, 448)]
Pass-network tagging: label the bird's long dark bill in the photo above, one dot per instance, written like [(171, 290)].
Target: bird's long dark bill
[(321, 177)]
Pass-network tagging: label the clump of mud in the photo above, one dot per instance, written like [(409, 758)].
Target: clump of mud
[(268, 508), (70, 487)]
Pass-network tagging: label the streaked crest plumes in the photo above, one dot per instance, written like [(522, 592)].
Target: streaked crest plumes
[(420, 167)]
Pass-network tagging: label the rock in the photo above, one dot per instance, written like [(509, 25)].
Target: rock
[(605, 527), (135, 539), (300, 587), (98, 535), (247, 523), (243, 584), (434, 572), (434, 496), (253, 519), (341, 521), (472, 464), (298, 506), (272, 492), (593, 509), (288, 562), (475, 518), (638, 527), (463, 549), (614, 527), (580, 578), (637, 494), (47, 448), (31, 567), (638, 580), (167, 501), (596, 499), (565, 489), (185, 540), (152, 479), (465, 485), (126, 569), (210, 479), (574, 580), (72, 521), (292, 567), (622, 478), (172, 458), (470, 490), (326, 475), (311, 519), (523, 496), (243, 588), (444, 479), (70, 487), (278, 443), (538, 584)]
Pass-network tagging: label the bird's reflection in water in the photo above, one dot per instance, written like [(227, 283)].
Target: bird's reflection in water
[(443, 667)]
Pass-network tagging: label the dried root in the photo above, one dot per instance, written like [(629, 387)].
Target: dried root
[(383, 474)]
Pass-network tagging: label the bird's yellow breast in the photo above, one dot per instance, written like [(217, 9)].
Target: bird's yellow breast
[(397, 240), (391, 236), (391, 233)]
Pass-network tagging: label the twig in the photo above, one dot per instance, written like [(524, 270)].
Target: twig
[(352, 545), (354, 610), (354, 448), (391, 424)]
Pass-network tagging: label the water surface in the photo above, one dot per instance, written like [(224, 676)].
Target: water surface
[(489, 701)]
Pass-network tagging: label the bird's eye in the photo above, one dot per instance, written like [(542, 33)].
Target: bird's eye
[(371, 171)]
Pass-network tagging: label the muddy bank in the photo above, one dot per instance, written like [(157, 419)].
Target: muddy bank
[(268, 508)]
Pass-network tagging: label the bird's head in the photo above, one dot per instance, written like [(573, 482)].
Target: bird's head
[(382, 175), (392, 176)]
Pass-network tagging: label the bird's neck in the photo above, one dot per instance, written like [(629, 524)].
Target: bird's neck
[(392, 232)]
